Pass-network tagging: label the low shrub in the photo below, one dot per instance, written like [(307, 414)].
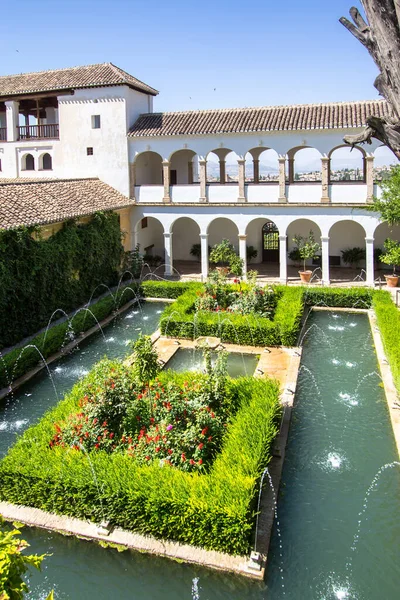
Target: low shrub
[(213, 510), (168, 289), (180, 320), (354, 297), (388, 318)]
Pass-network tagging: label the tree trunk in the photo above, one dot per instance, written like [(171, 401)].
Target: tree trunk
[(381, 37)]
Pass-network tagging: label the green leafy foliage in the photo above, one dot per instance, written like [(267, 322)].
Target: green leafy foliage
[(181, 320), (14, 564), (391, 254), (145, 359), (38, 276), (16, 364), (307, 247), (389, 204), (213, 509), (353, 256), (388, 317), (224, 253)]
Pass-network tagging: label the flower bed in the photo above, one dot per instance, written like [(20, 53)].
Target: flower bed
[(180, 319), (211, 507)]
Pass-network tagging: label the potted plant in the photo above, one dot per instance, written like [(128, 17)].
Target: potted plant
[(308, 249), (353, 256), (196, 251), (391, 256)]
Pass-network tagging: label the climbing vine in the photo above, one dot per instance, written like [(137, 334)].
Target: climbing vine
[(38, 276)]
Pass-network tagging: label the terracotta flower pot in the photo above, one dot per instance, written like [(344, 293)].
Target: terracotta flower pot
[(392, 280), (305, 276)]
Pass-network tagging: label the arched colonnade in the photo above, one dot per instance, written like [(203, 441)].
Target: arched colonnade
[(172, 234)]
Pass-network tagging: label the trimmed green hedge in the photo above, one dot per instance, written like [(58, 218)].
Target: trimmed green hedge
[(40, 275), (214, 510), (388, 318), (56, 336), (354, 297), (168, 289), (180, 320)]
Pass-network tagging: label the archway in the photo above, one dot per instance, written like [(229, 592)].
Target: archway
[(185, 238), (346, 164), (222, 166), (302, 227), (183, 167), (46, 162), (149, 234), (263, 235), (382, 233), (148, 169), (28, 163), (262, 165), (223, 228), (304, 165)]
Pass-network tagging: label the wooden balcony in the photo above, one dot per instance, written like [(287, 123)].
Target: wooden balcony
[(38, 132), (3, 134)]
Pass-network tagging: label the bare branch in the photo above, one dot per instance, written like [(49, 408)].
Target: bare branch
[(358, 20), (354, 30)]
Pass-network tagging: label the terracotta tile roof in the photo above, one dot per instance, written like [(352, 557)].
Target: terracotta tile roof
[(43, 201), (100, 75), (265, 118)]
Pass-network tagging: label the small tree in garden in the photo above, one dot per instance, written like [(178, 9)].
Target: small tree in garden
[(307, 246), (145, 359), (225, 253), (391, 255), (389, 203), (14, 564)]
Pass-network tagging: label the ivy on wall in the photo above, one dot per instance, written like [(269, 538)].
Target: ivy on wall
[(37, 276)]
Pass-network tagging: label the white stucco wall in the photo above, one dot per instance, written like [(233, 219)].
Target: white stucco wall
[(148, 169), (152, 234), (186, 232), (344, 235), (221, 229)]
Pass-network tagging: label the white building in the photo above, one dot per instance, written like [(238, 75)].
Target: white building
[(98, 121)]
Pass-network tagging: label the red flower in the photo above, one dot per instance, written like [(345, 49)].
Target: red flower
[(200, 461), (99, 438), (95, 421), (183, 457), (192, 462), (97, 446), (111, 436), (200, 446), (204, 431), (210, 438)]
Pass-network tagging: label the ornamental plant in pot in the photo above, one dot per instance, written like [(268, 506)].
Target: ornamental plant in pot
[(308, 248), (391, 256)]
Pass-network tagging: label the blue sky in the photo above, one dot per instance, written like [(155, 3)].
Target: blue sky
[(207, 54)]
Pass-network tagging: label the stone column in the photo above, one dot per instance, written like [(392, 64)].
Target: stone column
[(204, 255), (166, 165), (168, 254), (203, 180), (325, 164), (243, 253), (282, 259), (241, 163), (12, 119), (325, 260), (369, 252), (256, 170), (282, 179), (222, 171), (369, 177), (190, 171), (291, 169), (132, 180)]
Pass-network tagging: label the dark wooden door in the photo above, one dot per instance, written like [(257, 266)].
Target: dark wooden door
[(270, 239)]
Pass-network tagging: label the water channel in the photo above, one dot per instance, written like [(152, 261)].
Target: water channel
[(338, 542)]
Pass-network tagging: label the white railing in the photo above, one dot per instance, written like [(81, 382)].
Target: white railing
[(221, 194), (304, 193), (149, 193), (258, 193), (350, 193)]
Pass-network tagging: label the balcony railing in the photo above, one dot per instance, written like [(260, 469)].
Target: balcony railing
[(3, 134), (38, 132)]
